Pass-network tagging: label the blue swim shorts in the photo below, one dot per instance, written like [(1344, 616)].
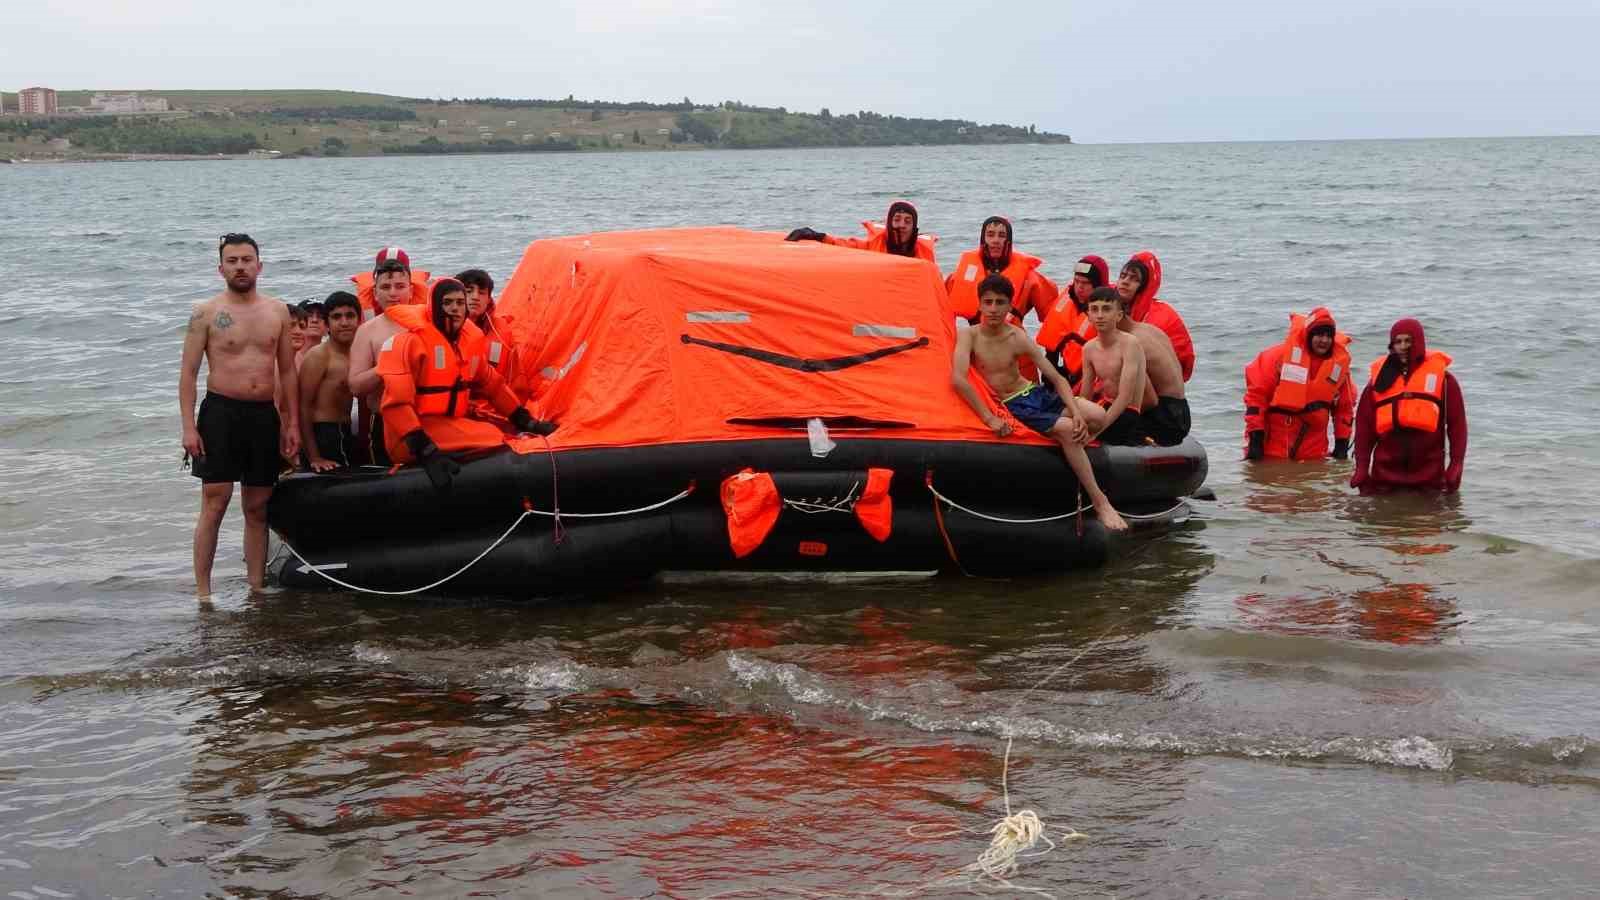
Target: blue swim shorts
[(1039, 407)]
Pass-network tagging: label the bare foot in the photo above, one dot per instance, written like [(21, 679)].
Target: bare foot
[(1109, 517)]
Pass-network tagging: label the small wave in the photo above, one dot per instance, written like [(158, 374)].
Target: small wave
[(369, 654), (563, 676), (808, 689)]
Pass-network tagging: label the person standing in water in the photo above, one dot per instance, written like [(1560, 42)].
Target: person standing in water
[(238, 435), (1409, 409), (898, 235), (325, 389), (1295, 388)]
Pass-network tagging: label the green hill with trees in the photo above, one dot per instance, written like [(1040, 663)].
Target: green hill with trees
[(344, 123)]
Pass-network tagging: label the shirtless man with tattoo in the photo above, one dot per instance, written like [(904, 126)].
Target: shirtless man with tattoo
[(238, 435), (391, 286)]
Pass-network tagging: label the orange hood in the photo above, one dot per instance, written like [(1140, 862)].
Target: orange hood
[(708, 334)]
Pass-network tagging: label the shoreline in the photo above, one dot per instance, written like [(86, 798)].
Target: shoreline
[(583, 151)]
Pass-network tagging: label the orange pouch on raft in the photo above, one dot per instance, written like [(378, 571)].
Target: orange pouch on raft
[(752, 503), (875, 509)]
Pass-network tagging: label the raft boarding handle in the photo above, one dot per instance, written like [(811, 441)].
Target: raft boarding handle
[(527, 510), (1005, 521)]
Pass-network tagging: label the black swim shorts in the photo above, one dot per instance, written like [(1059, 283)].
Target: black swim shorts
[(241, 441), (377, 451), (1126, 431), (334, 442), (1168, 423)]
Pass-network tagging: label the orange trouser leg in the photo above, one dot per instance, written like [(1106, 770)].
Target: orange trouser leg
[(452, 434)]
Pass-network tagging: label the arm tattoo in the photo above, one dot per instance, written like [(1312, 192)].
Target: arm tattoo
[(197, 321), (223, 320)]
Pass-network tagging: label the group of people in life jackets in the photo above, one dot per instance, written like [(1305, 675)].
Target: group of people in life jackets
[(1410, 426)]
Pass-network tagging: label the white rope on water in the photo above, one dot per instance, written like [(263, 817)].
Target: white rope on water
[(526, 512)]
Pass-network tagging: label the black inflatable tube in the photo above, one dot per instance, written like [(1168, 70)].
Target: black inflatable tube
[(692, 535), (321, 512)]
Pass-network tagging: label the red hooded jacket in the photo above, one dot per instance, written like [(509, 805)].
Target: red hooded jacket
[(1301, 435), (1149, 308), (1406, 458)]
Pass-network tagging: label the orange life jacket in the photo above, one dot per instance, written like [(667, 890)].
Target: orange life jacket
[(1416, 401), (1065, 331), (970, 273), (1308, 383), (420, 292), (444, 384), (878, 241)]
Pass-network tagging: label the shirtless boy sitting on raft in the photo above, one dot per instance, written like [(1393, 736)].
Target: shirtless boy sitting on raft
[(1165, 418), (1113, 376), (996, 345), (324, 392)]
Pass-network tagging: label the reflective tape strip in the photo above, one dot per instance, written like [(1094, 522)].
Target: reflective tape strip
[(388, 344), (1294, 374), (1294, 354), (494, 353), (971, 273), (904, 332), (1337, 371), (551, 373), (729, 317), (438, 357), (1431, 383)]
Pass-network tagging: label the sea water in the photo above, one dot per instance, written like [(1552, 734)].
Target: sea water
[(1302, 692)]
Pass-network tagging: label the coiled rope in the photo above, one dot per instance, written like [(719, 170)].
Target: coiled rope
[(527, 510)]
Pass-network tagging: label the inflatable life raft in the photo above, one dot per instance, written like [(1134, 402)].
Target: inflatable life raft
[(727, 401)]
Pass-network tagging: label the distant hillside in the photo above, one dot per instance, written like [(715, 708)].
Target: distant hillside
[(348, 123)]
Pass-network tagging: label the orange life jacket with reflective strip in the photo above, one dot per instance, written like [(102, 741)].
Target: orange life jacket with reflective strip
[(1308, 383), (444, 384), (970, 273), (1065, 331), (1417, 401)]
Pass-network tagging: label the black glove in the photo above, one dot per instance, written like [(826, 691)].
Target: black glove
[(805, 234), (1258, 445), (524, 421), (1341, 448), (441, 467)]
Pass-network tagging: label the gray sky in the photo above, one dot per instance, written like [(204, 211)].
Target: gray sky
[(1136, 70)]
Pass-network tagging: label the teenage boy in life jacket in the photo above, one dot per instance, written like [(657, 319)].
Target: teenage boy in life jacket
[(1066, 327), (1138, 283), (431, 371), (1165, 415), (1408, 410), (1295, 388), (995, 345), (325, 390), (898, 235), (499, 352), (995, 255), (1114, 387), (238, 434), (391, 289)]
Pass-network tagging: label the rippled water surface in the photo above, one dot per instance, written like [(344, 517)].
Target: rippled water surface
[(1299, 693)]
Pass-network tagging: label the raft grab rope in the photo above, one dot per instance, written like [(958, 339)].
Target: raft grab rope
[(527, 510)]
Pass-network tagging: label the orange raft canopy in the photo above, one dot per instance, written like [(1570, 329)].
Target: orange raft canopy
[(722, 334), (686, 369)]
